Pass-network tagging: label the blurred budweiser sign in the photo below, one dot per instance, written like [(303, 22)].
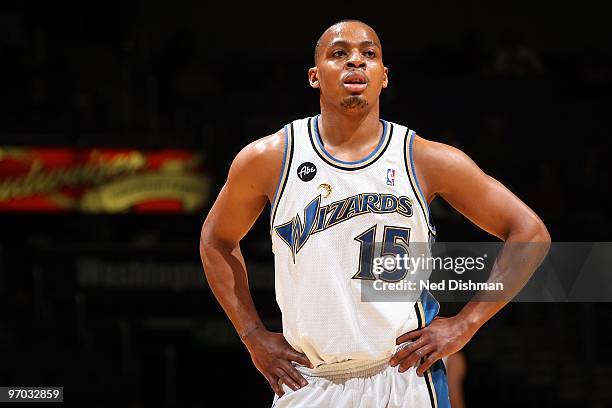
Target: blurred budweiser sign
[(102, 180)]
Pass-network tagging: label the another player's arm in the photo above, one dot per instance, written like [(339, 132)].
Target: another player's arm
[(250, 183), (446, 171), (456, 367)]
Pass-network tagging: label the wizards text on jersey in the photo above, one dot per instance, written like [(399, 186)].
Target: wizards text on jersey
[(316, 218)]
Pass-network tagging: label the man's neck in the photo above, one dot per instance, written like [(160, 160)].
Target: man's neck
[(350, 133)]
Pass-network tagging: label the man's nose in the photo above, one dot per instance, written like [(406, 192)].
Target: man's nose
[(356, 60)]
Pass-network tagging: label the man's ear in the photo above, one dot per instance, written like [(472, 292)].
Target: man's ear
[(386, 78), (313, 79)]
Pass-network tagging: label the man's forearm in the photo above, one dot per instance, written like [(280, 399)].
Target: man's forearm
[(226, 274), (519, 258)]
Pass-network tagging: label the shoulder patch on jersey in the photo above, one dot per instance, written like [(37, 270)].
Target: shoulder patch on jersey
[(307, 171)]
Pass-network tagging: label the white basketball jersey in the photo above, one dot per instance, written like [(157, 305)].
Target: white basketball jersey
[(324, 213)]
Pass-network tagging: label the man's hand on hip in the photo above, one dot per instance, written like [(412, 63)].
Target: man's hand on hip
[(272, 356), (443, 337)]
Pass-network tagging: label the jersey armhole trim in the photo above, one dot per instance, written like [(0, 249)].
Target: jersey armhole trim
[(282, 179), (414, 181)]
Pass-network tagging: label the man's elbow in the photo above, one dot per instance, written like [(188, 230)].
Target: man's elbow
[(207, 254), (206, 242), (539, 233), (529, 229), (539, 236), (211, 243), (539, 239)]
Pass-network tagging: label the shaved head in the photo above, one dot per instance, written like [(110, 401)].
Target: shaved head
[(348, 71), (334, 28)]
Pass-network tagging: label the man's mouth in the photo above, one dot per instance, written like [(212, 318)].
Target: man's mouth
[(355, 82)]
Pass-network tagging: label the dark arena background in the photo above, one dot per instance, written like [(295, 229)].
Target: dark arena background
[(118, 123)]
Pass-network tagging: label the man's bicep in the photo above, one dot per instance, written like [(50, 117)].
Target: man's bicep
[(239, 203), (482, 199), (233, 214)]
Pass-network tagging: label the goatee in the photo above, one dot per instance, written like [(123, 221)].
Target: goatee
[(354, 101)]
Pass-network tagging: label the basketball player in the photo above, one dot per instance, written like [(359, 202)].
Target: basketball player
[(336, 182), (456, 368)]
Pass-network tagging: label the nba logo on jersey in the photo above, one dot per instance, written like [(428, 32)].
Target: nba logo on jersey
[(390, 177)]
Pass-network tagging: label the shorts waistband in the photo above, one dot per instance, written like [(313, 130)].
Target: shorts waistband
[(345, 369)]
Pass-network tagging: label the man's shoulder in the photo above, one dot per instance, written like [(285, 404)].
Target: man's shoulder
[(272, 146), (438, 164), (431, 152), (264, 149), (260, 162)]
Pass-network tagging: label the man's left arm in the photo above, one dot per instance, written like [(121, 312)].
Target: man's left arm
[(448, 172)]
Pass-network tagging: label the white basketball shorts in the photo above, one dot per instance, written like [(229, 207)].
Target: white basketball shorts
[(367, 384)]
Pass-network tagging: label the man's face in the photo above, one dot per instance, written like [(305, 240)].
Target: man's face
[(349, 69)]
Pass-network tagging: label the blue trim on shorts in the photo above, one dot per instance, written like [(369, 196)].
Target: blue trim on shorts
[(438, 376), (431, 307)]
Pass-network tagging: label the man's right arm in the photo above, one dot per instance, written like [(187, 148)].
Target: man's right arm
[(250, 183)]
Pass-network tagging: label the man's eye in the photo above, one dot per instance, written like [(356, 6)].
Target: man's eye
[(370, 54), (338, 53)]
